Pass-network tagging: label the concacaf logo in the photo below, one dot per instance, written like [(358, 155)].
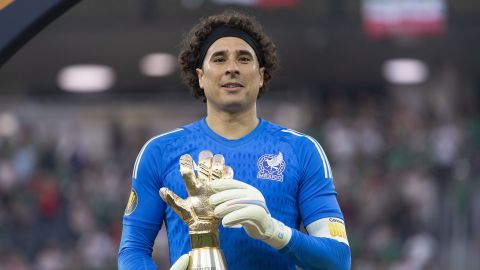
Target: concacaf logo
[(132, 202)]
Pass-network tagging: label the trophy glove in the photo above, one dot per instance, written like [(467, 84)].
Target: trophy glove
[(181, 263), (240, 204)]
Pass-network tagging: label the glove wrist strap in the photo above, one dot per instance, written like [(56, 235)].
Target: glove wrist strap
[(280, 235)]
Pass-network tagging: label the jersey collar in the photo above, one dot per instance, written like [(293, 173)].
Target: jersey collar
[(254, 133)]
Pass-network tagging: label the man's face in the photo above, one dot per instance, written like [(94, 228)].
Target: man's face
[(231, 76)]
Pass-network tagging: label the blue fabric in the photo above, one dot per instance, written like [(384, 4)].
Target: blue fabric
[(136, 251), (290, 169), (317, 253)]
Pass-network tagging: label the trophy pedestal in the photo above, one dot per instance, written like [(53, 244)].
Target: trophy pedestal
[(207, 258)]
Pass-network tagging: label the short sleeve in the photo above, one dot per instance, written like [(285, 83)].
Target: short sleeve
[(317, 195)]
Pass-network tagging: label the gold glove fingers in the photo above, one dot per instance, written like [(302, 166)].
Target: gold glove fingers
[(187, 171), (204, 165), (179, 205), (218, 167), (196, 210), (228, 172)]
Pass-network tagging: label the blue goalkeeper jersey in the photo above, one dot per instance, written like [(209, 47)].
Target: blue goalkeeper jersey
[(289, 168)]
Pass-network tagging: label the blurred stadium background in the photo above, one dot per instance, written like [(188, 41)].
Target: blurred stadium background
[(390, 88)]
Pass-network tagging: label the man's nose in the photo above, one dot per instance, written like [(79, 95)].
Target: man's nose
[(232, 67)]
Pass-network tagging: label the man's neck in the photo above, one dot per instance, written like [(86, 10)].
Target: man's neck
[(232, 125)]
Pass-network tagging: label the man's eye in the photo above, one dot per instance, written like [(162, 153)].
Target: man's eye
[(218, 60), (244, 59)]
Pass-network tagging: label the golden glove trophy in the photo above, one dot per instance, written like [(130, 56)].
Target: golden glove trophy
[(196, 212)]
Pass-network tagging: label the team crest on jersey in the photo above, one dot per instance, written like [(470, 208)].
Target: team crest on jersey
[(132, 202), (271, 167)]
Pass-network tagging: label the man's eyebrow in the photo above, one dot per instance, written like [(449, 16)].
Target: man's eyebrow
[(244, 52), (239, 52), (217, 53)]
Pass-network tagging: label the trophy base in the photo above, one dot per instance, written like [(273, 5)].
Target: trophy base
[(207, 258)]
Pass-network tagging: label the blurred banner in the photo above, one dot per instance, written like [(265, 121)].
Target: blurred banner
[(20, 20), (410, 18)]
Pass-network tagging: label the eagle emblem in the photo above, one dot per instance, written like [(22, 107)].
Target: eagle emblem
[(271, 167)]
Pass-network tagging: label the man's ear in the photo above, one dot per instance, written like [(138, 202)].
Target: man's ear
[(200, 77), (262, 74)]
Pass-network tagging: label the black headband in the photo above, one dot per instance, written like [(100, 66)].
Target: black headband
[(225, 31)]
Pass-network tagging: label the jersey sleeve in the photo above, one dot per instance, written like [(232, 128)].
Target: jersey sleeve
[(317, 196), (145, 207), (136, 249), (144, 212)]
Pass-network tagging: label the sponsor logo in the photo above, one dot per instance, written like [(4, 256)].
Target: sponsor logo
[(132, 202), (271, 167), (337, 230), (335, 220)]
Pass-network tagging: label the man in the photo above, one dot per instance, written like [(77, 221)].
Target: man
[(283, 177)]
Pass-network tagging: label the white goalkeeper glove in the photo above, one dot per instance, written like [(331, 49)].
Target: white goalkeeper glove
[(181, 263), (238, 203)]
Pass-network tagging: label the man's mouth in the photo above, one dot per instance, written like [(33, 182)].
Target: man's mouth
[(232, 85)]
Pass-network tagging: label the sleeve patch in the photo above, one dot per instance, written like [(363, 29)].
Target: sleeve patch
[(333, 228), (132, 203)]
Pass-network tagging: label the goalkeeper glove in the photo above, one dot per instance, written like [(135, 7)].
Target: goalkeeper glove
[(238, 203), (181, 263)]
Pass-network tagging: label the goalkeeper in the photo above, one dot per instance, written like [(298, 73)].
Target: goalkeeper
[(281, 178)]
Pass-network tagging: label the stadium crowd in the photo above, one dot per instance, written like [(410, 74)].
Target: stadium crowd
[(406, 167)]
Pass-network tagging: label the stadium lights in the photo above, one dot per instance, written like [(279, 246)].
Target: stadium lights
[(405, 71), (86, 78), (158, 64)]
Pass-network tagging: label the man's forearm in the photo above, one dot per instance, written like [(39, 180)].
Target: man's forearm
[(310, 252), (136, 249), (131, 258)]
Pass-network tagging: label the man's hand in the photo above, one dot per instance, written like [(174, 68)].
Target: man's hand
[(181, 263), (195, 210), (238, 203)]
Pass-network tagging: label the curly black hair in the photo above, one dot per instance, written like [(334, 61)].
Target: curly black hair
[(192, 42)]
